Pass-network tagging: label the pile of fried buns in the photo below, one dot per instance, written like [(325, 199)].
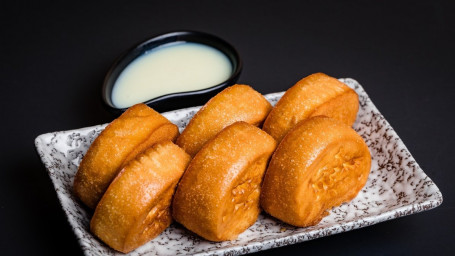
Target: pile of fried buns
[(215, 177)]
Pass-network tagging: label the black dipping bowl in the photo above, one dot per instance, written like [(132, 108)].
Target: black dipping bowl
[(179, 99)]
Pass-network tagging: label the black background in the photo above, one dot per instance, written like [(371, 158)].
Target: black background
[(54, 56)]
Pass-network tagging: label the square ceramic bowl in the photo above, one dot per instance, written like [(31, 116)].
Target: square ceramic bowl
[(396, 187)]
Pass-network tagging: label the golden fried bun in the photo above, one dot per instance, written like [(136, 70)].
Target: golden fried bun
[(135, 130), (314, 95), (320, 163), (135, 207), (235, 103), (218, 196)]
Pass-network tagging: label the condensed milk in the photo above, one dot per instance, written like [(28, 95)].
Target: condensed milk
[(171, 68)]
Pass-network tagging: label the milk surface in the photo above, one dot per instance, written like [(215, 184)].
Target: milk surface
[(172, 68)]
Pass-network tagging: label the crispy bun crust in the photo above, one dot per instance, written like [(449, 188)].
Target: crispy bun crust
[(135, 130), (235, 103), (320, 163), (136, 206), (218, 196), (314, 95)]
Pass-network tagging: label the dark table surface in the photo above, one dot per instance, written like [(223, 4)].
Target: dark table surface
[(54, 56)]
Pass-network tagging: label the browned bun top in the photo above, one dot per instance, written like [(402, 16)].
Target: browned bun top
[(218, 196), (319, 164), (135, 207), (136, 129), (316, 94), (235, 103)]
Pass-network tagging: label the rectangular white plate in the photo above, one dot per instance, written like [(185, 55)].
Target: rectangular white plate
[(396, 187)]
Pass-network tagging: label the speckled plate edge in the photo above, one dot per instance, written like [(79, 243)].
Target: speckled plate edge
[(397, 187)]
